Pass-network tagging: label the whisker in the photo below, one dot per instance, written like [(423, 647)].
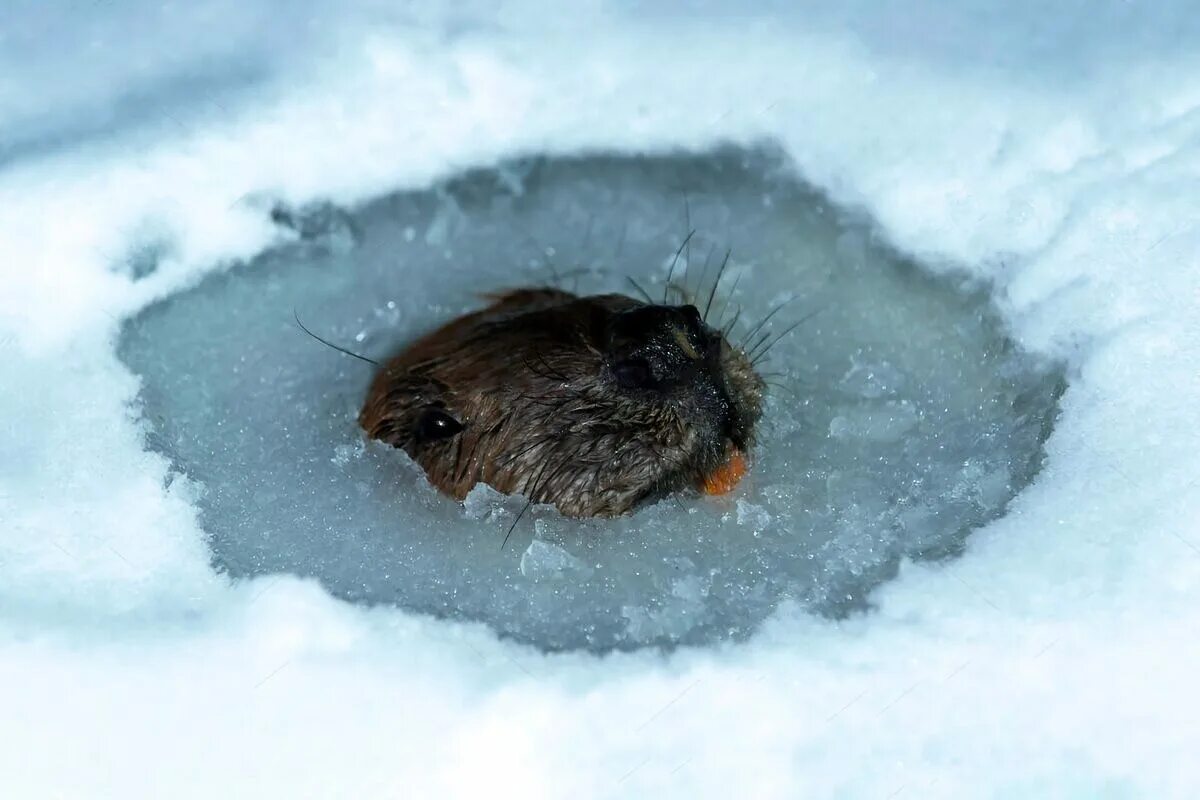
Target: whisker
[(687, 224), (641, 291), (674, 261), (729, 328), (691, 296), (783, 387), (327, 343), (729, 296), (788, 330), (750, 351), (528, 503), (765, 320), (716, 282), (512, 527)]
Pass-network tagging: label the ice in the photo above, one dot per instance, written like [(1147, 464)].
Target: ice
[(872, 380), (546, 561), (484, 502), (886, 422), (752, 515), (281, 495), (1045, 154)]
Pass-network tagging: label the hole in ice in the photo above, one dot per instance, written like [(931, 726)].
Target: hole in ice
[(899, 418)]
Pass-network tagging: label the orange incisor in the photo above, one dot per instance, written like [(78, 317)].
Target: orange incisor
[(724, 479)]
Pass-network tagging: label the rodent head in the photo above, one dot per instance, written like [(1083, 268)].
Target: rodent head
[(593, 404)]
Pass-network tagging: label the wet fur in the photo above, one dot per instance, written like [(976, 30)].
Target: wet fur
[(530, 379)]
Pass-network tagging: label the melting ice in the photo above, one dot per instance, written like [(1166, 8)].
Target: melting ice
[(899, 418)]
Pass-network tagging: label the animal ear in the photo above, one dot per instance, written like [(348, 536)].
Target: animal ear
[(434, 424)]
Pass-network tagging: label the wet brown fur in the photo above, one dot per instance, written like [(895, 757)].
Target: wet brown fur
[(533, 381)]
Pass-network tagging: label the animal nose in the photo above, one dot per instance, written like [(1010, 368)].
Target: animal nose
[(655, 347)]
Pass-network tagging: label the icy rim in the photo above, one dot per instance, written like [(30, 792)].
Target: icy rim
[(899, 416), (1054, 151)]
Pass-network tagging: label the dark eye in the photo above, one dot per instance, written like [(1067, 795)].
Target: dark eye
[(435, 424), (633, 373)]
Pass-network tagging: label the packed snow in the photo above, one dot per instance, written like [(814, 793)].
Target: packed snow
[(1038, 166)]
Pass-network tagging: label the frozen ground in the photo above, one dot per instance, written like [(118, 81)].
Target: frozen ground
[(1055, 155)]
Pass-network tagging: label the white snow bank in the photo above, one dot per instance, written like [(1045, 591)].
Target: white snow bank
[(1056, 155)]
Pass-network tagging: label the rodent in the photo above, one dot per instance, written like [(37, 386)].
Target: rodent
[(595, 404)]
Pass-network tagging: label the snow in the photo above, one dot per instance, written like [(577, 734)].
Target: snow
[(1052, 153), (261, 416)]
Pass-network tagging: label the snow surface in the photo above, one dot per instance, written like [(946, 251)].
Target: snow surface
[(1054, 152)]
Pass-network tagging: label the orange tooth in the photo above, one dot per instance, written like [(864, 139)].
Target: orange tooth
[(724, 479)]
